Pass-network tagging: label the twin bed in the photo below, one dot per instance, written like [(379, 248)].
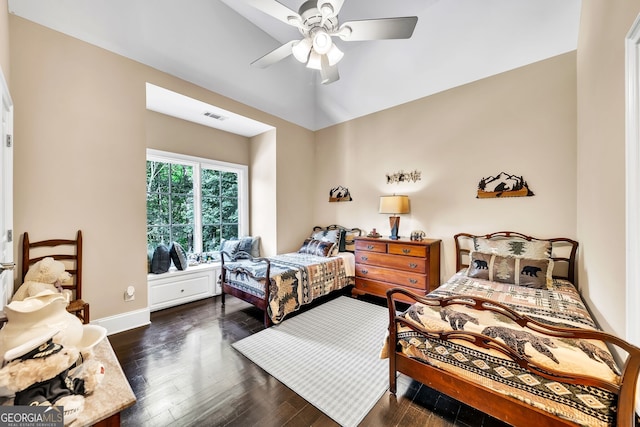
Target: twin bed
[(509, 335)]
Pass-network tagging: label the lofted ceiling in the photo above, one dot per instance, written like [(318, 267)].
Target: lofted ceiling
[(212, 42)]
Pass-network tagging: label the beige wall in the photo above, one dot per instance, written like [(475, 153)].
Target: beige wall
[(288, 166), (601, 157), (521, 122), (296, 176), (167, 133), (4, 40), (81, 131), (263, 183)]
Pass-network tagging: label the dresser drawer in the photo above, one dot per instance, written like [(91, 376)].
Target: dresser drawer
[(403, 278), (371, 246), (380, 289), (392, 261), (409, 250)]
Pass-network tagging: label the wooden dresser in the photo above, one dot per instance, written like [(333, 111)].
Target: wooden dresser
[(383, 264)]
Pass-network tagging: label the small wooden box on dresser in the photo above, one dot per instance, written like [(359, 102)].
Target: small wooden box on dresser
[(382, 264)]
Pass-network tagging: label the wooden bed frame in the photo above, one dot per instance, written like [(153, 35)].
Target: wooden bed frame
[(260, 303), (505, 408)]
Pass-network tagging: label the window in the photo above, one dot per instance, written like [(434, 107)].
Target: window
[(195, 202), (219, 207)]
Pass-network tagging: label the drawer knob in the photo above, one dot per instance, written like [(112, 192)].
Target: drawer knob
[(413, 281), (369, 247), (363, 271), (412, 265), (406, 251), (364, 258), (181, 290)]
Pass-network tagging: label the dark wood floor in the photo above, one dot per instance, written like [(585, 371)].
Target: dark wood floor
[(184, 372)]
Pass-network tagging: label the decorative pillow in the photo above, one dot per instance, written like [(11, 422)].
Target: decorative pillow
[(149, 258), (332, 236), (479, 265), (532, 273), (178, 256), (317, 247), (161, 260), (230, 247), (513, 246), (250, 245)]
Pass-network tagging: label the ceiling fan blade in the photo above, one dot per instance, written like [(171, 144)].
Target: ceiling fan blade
[(275, 55), (378, 29), (277, 10), (328, 73)]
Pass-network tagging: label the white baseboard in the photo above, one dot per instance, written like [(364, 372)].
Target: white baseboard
[(125, 321)]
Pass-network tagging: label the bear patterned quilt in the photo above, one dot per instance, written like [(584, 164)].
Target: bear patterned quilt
[(296, 280), (560, 305)]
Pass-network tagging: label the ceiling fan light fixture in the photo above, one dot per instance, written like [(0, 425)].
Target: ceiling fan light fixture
[(295, 21), (315, 61), (327, 11), (344, 32), (302, 49), (334, 55), (322, 42)]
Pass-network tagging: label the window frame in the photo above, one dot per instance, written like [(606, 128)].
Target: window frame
[(198, 163)]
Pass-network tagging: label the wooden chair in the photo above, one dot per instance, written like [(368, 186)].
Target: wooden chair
[(68, 251)]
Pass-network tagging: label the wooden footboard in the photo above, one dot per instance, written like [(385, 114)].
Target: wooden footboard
[(501, 406), (261, 303)]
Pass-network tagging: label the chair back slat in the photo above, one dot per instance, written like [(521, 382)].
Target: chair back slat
[(68, 251)]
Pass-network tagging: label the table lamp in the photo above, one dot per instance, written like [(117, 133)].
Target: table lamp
[(394, 205)]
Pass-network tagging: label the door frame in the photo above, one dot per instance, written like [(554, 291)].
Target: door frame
[(632, 156)]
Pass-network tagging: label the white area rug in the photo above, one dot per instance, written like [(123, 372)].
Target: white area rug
[(329, 355)]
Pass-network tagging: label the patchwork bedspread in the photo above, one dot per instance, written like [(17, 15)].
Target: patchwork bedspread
[(296, 280), (559, 306)]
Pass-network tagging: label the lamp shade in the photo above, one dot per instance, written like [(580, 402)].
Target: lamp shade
[(394, 204)]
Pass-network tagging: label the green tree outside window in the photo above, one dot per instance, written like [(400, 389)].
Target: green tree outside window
[(172, 205)]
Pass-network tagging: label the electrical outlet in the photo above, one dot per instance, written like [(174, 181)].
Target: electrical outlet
[(130, 294)]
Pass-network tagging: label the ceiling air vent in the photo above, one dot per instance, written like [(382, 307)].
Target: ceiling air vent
[(215, 116)]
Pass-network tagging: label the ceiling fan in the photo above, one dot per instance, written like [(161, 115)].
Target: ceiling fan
[(317, 21)]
